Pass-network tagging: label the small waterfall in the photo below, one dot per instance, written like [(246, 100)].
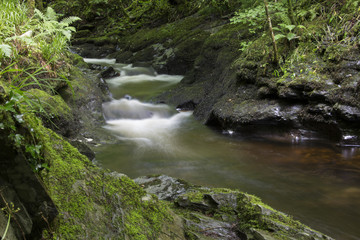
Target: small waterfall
[(151, 126), (138, 81), (155, 132), (134, 109), (100, 61), (130, 77)]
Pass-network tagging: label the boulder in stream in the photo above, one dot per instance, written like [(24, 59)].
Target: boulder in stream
[(218, 213)]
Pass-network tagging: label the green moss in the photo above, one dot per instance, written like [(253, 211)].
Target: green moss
[(78, 61), (196, 196), (52, 105), (92, 202), (169, 34), (247, 212)]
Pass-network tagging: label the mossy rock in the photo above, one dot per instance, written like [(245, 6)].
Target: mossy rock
[(94, 203), (83, 33), (52, 105), (54, 112), (78, 61), (220, 213)]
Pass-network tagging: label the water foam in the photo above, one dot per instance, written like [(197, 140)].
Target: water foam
[(124, 79), (134, 109), (154, 132), (100, 61)]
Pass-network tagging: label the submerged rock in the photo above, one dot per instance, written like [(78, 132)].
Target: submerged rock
[(109, 72)]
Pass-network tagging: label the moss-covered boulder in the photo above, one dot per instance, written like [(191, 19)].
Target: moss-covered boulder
[(94, 203), (215, 213)]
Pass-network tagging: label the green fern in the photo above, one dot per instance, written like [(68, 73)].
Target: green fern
[(5, 50), (51, 27)]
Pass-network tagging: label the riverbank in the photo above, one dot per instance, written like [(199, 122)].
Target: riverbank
[(69, 197), (232, 83)]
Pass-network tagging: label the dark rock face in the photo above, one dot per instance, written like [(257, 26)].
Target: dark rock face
[(235, 88), (91, 49), (20, 187), (223, 213), (238, 89), (86, 104)]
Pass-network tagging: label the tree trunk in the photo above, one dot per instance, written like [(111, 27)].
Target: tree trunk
[(276, 58)]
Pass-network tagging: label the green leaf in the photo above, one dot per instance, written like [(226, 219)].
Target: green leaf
[(290, 36), (301, 26), (287, 26), (279, 36), (8, 107)]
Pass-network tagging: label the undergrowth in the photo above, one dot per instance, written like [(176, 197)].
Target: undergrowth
[(33, 47)]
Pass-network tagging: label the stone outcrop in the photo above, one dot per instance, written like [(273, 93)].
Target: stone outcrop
[(234, 88), (212, 213)]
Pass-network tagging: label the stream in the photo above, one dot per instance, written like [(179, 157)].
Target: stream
[(314, 180)]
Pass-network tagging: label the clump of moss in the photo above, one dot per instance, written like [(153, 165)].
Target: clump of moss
[(93, 202), (52, 105)]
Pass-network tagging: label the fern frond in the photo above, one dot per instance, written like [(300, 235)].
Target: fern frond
[(67, 34), (5, 50), (39, 14), (51, 14), (70, 20)]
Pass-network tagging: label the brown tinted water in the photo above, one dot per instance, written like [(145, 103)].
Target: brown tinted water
[(315, 181)]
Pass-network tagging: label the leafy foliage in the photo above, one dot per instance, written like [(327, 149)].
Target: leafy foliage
[(32, 49), (51, 28), (255, 17), (287, 31)]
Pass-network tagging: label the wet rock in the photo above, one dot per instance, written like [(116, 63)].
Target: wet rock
[(165, 187), (214, 229), (187, 106), (318, 95), (104, 87), (197, 205), (122, 56), (322, 110), (84, 149), (88, 48), (225, 214), (262, 235), (347, 113), (109, 72), (236, 115), (290, 94), (21, 189), (86, 105)]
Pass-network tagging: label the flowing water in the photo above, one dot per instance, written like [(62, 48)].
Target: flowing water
[(315, 181)]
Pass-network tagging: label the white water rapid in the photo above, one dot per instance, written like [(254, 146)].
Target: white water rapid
[(313, 181), (148, 125)]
